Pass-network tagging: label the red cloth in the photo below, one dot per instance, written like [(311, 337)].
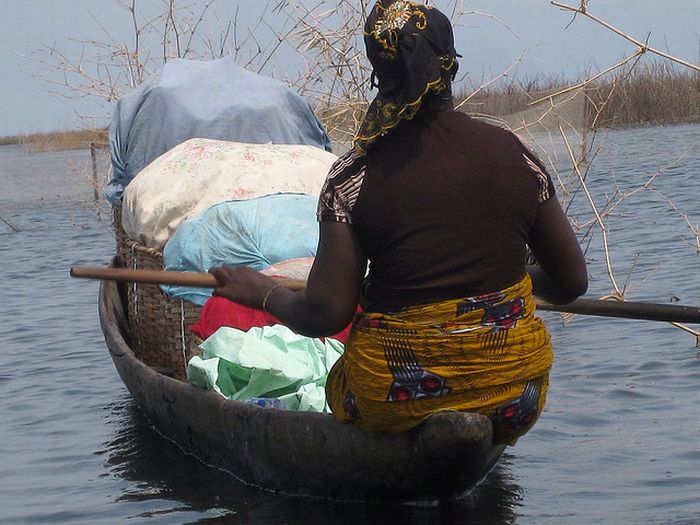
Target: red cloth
[(219, 311)]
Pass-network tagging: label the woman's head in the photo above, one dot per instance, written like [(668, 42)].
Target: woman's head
[(411, 49)]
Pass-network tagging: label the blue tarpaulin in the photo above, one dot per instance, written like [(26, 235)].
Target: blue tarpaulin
[(257, 233), (215, 99)]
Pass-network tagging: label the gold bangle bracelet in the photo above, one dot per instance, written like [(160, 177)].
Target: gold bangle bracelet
[(267, 295)]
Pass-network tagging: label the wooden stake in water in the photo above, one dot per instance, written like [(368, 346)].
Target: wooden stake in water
[(14, 228)]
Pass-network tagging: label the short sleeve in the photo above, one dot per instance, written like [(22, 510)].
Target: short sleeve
[(528, 163), (331, 205), (546, 187), (339, 193)]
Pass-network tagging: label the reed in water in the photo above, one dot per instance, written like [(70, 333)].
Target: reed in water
[(652, 93), (59, 140)]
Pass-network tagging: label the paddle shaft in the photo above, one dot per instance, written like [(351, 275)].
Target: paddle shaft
[(627, 310), (193, 279), (670, 313)]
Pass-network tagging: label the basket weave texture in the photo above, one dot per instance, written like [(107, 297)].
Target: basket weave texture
[(159, 325)]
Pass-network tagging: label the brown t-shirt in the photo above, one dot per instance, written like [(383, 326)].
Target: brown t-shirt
[(442, 207)]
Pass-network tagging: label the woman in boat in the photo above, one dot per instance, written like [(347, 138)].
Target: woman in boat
[(444, 208)]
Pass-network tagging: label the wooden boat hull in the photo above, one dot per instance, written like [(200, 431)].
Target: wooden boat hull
[(303, 453)]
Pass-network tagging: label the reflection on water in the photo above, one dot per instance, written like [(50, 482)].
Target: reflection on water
[(173, 482)]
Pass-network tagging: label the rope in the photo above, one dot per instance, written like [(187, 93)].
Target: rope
[(182, 333), (134, 297)]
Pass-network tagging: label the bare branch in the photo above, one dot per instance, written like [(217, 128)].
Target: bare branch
[(642, 47)]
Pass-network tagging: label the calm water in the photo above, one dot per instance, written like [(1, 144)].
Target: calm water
[(619, 441)]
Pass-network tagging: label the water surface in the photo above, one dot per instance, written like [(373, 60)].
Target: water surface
[(619, 441)]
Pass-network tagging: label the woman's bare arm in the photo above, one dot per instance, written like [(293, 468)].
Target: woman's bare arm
[(561, 275), (330, 299)]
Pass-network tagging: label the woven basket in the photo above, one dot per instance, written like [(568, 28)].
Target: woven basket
[(159, 325)]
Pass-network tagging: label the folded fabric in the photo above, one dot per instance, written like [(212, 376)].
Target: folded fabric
[(199, 173), (218, 312), (271, 362)]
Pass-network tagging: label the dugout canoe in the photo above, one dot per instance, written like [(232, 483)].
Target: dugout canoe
[(302, 453)]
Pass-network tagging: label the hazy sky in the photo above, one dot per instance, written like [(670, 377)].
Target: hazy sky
[(489, 44)]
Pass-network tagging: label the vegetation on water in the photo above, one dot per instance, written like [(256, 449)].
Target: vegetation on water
[(60, 140), (648, 94), (652, 93)]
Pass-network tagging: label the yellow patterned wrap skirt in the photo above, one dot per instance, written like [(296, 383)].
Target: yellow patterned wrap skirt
[(487, 354)]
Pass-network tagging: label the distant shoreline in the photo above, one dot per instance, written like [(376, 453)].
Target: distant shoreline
[(59, 140), (652, 95)]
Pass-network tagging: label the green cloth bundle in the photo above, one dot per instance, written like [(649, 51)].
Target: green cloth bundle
[(270, 362)]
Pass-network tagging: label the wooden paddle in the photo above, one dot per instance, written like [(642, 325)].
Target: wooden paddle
[(627, 310), (194, 279)]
